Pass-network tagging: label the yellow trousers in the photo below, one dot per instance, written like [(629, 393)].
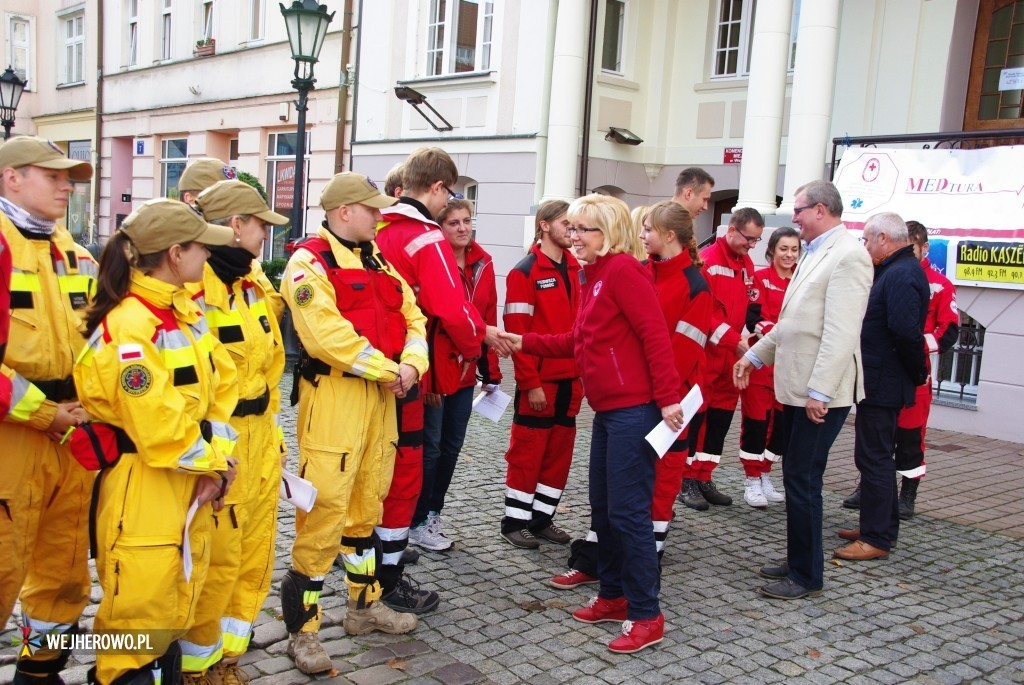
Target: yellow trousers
[(347, 436), (144, 586), (242, 554), (44, 532)]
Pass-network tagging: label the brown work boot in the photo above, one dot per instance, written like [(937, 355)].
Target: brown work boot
[(377, 616), (194, 679), (307, 652), (227, 672)]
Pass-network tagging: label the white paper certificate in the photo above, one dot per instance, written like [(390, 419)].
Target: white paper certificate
[(662, 436), (492, 404)]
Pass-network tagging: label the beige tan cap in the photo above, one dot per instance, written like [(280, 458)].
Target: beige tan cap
[(231, 198), (33, 151), (202, 173), (163, 222), (350, 188)]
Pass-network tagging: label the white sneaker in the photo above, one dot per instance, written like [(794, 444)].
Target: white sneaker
[(752, 494), (769, 491), (428, 536)]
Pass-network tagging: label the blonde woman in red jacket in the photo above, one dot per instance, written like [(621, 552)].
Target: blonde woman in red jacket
[(624, 353), (446, 412)]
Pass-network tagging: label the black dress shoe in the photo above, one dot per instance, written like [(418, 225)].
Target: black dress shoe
[(777, 571), (787, 589), (853, 501)]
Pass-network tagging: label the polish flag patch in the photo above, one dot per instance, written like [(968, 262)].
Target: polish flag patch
[(128, 353), (298, 276)]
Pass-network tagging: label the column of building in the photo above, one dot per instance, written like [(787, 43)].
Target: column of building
[(766, 98), (567, 80), (813, 84)]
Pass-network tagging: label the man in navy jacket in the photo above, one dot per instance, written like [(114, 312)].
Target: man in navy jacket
[(892, 349)]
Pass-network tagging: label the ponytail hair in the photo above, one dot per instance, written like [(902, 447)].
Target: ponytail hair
[(548, 212), (117, 260), (672, 217)]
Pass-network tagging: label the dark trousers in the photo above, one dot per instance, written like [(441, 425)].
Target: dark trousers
[(872, 453), (806, 457), (444, 432), (621, 488)]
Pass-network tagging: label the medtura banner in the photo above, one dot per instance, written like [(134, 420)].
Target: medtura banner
[(972, 202)]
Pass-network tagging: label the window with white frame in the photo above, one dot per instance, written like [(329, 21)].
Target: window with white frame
[(281, 185), (459, 36), (173, 158), (614, 20), (165, 30), (74, 48), (19, 46), (132, 7), (734, 38), (207, 18), (256, 15)]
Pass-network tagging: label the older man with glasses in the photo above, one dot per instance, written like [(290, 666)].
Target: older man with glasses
[(729, 271)]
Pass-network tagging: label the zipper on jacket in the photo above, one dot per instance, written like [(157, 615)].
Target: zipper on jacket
[(615, 363), (343, 457)]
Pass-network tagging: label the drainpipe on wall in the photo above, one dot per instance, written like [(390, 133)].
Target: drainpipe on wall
[(588, 96), (99, 126), (355, 90), (346, 47)]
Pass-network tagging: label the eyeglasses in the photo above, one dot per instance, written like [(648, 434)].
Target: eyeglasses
[(582, 230), (452, 195), (750, 239), (797, 210)]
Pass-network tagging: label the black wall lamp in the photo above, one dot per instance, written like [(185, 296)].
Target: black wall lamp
[(623, 136), (416, 98)]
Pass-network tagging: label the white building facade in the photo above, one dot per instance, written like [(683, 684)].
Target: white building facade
[(184, 79), (53, 44), (531, 101)]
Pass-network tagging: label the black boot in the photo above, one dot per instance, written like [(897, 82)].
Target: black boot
[(691, 497), (908, 495), (853, 501), (712, 495)]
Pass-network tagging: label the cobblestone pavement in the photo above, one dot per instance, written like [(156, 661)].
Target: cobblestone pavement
[(946, 608)]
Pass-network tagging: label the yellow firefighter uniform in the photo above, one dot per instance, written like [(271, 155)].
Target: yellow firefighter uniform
[(44, 493), (153, 369), (346, 421), (242, 317)]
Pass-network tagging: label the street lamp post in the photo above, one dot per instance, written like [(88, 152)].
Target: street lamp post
[(11, 88), (307, 27)]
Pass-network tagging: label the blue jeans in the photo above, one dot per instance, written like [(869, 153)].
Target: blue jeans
[(444, 432), (802, 472), (621, 490)]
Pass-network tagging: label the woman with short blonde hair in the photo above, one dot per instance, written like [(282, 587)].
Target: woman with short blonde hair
[(621, 343)]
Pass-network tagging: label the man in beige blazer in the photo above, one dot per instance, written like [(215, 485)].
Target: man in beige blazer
[(818, 376)]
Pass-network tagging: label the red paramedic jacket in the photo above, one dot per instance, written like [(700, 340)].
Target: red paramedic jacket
[(415, 246), (538, 300), (685, 300), (619, 338), (481, 288), (731, 278), (942, 325), (763, 313)]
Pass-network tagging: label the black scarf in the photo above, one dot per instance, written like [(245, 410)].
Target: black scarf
[(371, 261), (230, 263)]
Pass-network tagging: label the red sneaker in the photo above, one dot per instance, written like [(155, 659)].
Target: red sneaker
[(639, 634), (601, 610), (572, 578)]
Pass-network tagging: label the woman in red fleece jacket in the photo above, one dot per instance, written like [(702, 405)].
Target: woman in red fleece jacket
[(622, 346)]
